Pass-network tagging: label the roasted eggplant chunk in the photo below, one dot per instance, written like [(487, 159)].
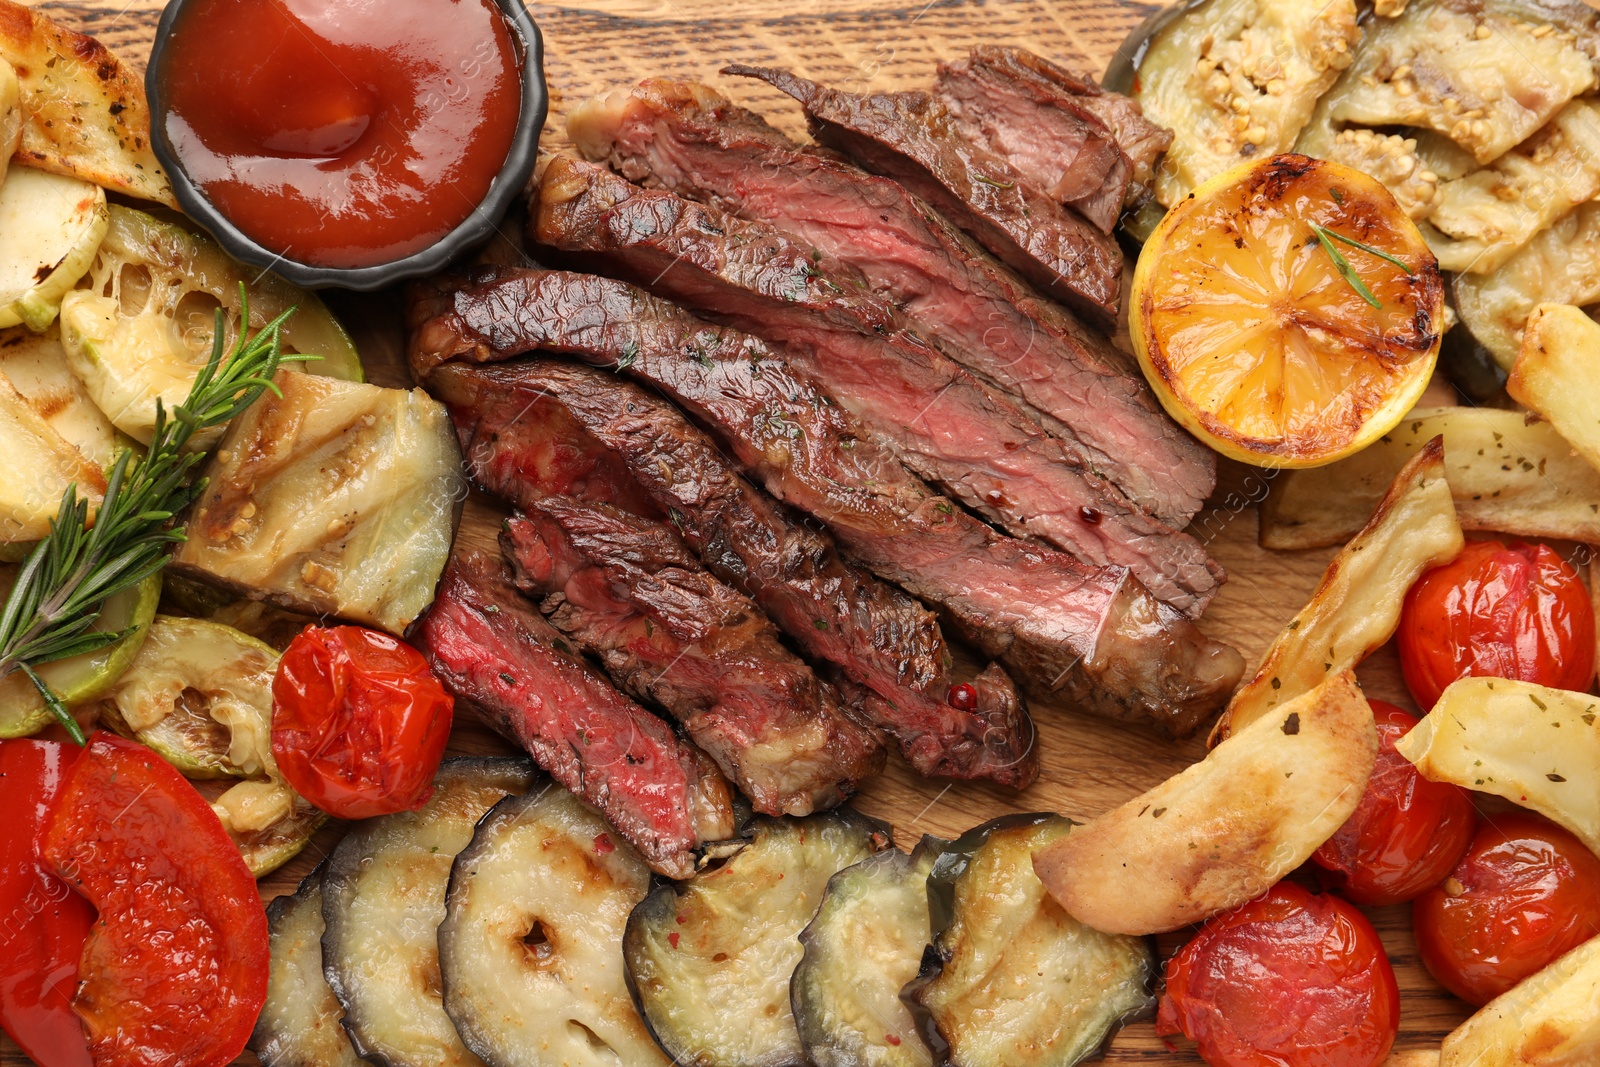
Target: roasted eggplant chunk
[(709, 962), (337, 498), (530, 951), (863, 947), (383, 900), (1011, 979), (299, 1024)]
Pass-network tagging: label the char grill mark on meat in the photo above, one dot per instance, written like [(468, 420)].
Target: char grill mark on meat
[(628, 591), (944, 423), (911, 138), (692, 141), (526, 427), (1037, 115), (1064, 628), (493, 651)]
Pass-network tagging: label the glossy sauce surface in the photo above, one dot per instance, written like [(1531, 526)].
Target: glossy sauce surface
[(342, 133)]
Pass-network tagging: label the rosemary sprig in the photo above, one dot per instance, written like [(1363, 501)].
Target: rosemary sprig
[(1342, 265), (66, 579)]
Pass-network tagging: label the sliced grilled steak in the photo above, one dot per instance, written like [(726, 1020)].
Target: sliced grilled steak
[(542, 427), (627, 590), (912, 138), (943, 422), (493, 651), (1055, 126), (691, 140), (1090, 634)]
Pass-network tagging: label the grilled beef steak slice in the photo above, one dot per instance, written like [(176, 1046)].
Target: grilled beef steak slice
[(912, 138), (627, 590), (494, 652), (691, 140), (1034, 113), (541, 427), (943, 422), (1090, 633)]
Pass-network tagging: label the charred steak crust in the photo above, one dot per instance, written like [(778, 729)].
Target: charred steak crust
[(628, 591), (943, 422), (542, 427), (911, 137), (692, 141), (495, 653), (1059, 625)]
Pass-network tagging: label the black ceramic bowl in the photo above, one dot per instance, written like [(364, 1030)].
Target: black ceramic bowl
[(511, 180)]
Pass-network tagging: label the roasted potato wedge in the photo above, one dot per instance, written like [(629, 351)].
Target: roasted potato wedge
[(1228, 827), (1356, 607), (1508, 473), (1557, 372), (1550, 1019), (1536, 746), (85, 114)]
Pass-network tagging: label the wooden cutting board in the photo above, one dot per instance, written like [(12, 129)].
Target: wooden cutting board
[(1088, 766)]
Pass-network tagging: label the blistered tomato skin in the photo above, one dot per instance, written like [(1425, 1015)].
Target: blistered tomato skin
[(1407, 833), (174, 971), (1526, 893), (1498, 610), (359, 723), (43, 923), (1288, 980)]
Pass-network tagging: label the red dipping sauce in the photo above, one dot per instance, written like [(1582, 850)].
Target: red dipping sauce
[(341, 133)]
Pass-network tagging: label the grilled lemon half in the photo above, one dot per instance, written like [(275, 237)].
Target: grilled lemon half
[(1287, 312)]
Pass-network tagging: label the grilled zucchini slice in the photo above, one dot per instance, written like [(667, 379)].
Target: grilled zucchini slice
[(1011, 979), (50, 229), (709, 961), (36, 366), (383, 900), (141, 328), (299, 1024), (861, 950), (530, 950)]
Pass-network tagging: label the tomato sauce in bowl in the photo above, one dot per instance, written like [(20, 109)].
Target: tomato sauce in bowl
[(340, 134)]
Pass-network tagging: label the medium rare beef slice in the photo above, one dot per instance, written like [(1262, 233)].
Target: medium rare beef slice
[(629, 592), (498, 655), (911, 137)]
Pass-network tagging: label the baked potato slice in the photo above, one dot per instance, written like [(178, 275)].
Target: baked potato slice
[(1507, 473), (40, 464), (1225, 829), (299, 1025), (1012, 980), (1535, 746), (36, 366), (1356, 607), (710, 960), (1549, 1019), (1556, 373), (530, 950)]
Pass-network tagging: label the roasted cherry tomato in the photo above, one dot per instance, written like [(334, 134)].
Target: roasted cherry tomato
[(1497, 611), (359, 722), (1405, 835), (175, 970), (1526, 893), (45, 923), (1287, 980)]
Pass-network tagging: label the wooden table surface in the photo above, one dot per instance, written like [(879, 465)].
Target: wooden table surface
[(1088, 766)]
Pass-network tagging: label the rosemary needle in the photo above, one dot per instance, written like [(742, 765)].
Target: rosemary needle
[(64, 582), (1342, 265)]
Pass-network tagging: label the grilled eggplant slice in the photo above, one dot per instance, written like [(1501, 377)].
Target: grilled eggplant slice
[(709, 961), (1011, 979), (383, 900), (530, 951), (861, 950), (299, 1024)]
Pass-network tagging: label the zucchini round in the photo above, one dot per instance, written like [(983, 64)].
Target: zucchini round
[(530, 951), (299, 1024), (383, 900), (1011, 979), (863, 947), (82, 678), (50, 228), (709, 961)]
